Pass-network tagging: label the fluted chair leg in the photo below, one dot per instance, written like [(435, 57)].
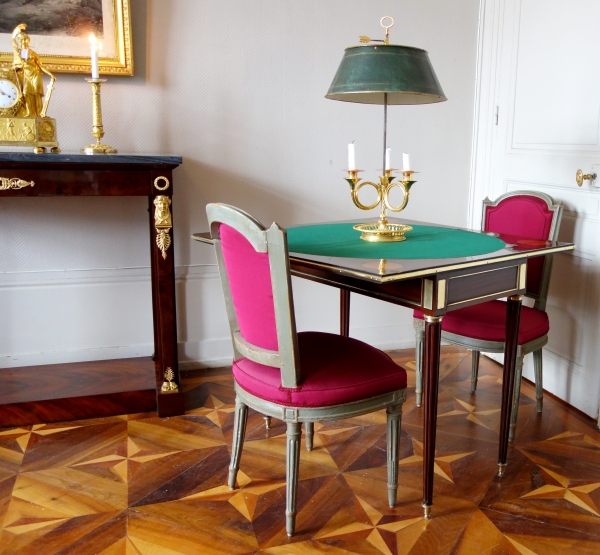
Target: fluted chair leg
[(539, 390), (292, 462), (420, 337), (394, 418), (517, 394), (474, 370), (239, 430), (309, 432)]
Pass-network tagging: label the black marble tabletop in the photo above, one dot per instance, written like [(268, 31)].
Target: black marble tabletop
[(76, 157)]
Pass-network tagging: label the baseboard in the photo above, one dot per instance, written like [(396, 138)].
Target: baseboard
[(79, 355), (218, 353), (103, 314)]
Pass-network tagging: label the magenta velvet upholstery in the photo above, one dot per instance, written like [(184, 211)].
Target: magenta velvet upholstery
[(524, 216), (487, 322), (335, 370), (249, 276)]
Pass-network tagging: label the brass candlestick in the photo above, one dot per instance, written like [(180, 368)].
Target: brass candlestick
[(97, 129), (382, 231)]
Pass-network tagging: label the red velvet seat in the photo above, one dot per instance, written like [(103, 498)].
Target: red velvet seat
[(298, 378), (335, 370), (519, 217), (487, 321)]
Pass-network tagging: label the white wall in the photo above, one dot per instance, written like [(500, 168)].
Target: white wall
[(237, 88)]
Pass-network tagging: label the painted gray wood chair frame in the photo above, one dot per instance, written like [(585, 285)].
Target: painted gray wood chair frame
[(476, 346), (273, 241)]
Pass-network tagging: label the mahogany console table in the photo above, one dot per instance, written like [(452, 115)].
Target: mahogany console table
[(91, 389)]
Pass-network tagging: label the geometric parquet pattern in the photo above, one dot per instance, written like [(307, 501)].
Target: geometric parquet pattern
[(142, 485)]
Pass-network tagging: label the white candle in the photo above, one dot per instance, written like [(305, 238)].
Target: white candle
[(405, 162), (351, 157), (388, 154), (94, 56)]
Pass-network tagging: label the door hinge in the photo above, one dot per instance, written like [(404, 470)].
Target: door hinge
[(496, 111)]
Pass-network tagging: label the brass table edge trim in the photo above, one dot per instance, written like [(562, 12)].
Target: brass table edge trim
[(417, 273)]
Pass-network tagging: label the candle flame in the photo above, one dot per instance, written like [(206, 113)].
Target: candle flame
[(93, 39), (100, 47)]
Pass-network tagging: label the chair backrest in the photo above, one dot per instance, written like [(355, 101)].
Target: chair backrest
[(255, 274), (530, 215)]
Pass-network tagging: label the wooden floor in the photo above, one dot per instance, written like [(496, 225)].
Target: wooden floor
[(142, 485)]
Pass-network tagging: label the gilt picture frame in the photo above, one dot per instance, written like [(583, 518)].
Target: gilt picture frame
[(60, 30)]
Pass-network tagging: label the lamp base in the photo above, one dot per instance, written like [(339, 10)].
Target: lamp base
[(383, 233), (99, 148)]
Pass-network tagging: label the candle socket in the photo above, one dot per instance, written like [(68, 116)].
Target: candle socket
[(407, 175), (97, 127)]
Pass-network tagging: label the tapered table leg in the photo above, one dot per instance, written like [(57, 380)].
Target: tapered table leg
[(344, 312), (513, 317), (431, 369)]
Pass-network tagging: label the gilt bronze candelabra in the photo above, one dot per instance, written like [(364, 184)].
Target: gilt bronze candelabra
[(382, 231)]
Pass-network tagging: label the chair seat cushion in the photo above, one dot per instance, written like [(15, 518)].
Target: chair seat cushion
[(335, 370), (487, 321)]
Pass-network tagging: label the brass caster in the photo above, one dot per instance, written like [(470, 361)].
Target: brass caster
[(501, 470), (426, 511)]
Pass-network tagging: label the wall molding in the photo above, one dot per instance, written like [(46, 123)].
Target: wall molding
[(210, 350), (101, 275)]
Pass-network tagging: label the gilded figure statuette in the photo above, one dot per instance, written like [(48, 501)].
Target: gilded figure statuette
[(23, 104)]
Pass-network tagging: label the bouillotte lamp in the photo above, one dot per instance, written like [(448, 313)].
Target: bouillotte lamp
[(384, 74)]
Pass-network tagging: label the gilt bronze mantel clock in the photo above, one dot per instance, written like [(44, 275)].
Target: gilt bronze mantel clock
[(23, 104)]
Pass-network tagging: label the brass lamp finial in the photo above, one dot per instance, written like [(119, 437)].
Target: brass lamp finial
[(364, 39)]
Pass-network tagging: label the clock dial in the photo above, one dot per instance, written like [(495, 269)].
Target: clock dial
[(9, 94)]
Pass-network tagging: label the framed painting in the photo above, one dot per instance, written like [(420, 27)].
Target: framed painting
[(60, 30)]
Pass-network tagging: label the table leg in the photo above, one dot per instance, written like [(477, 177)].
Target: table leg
[(154, 279), (344, 312), (513, 317), (431, 369), (170, 398)]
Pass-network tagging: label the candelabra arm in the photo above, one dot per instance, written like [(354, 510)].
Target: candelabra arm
[(405, 186), (356, 185)]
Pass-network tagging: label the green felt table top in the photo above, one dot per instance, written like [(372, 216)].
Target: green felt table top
[(424, 242)]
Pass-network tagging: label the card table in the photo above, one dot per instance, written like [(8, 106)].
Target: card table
[(436, 270)]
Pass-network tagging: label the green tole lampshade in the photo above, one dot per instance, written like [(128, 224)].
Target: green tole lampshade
[(367, 72)]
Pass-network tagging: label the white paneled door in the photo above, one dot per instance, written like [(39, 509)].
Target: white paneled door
[(537, 123)]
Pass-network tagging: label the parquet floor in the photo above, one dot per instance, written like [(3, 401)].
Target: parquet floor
[(139, 484)]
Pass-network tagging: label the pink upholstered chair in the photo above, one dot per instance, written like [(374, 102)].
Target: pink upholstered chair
[(524, 214), (298, 378)]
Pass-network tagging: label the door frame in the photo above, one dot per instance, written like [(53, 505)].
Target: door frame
[(489, 124)]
